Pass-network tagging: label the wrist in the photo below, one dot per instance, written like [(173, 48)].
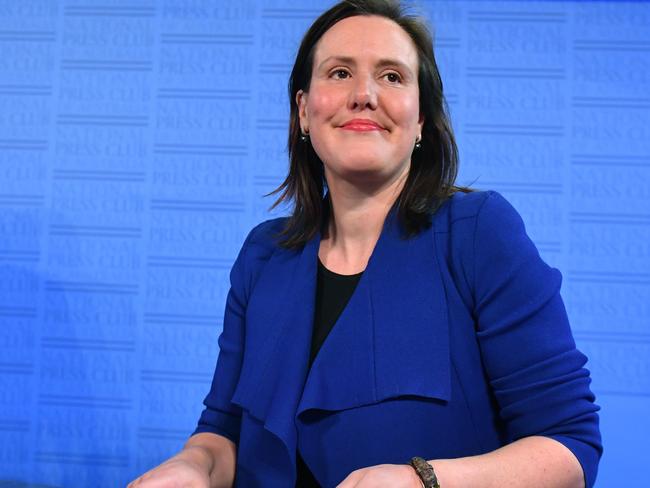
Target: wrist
[(198, 456), (415, 481)]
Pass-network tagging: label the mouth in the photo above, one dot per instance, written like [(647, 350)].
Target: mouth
[(362, 125)]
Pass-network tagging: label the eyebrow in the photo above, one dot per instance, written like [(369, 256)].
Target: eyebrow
[(381, 63)]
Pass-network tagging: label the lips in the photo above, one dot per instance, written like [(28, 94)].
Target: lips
[(362, 125)]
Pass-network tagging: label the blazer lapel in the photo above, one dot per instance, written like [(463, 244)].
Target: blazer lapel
[(279, 321), (392, 338)]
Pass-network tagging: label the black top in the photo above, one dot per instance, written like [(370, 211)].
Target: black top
[(333, 291)]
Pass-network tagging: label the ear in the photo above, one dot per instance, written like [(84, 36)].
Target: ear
[(301, 102), (421, 122)]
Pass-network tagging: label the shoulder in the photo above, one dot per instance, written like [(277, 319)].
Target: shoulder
[(481, 232), (262, 240), (480, 202), (258, 247), (461, 211), (265, 233)]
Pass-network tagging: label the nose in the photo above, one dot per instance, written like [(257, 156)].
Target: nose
[(363, 94)]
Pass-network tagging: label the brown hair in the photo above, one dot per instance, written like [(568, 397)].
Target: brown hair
[(434, 166)]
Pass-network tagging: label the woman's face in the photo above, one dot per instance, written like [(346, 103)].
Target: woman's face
[(362, 108)]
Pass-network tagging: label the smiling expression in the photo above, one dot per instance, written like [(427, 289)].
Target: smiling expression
[(362, 108)]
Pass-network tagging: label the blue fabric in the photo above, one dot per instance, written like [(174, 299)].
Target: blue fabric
[(454, 343)]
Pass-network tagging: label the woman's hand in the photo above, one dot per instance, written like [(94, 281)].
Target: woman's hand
[(383, 475), (173, 473)]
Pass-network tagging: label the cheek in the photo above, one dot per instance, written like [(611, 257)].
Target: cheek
[(401, 106), (408, 110), (324, 103)]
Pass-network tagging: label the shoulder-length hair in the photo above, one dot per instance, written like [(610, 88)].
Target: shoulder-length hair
[(434, 166)]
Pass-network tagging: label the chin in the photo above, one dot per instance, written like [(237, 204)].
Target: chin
[(365, 172), (362, 165), (363, 159)]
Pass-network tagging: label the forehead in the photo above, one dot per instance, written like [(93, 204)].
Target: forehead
[(367, 36)]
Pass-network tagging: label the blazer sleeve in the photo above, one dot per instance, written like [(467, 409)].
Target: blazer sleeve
[(220, 416), (534, 369)]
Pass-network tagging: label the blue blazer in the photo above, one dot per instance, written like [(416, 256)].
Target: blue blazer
[(454, 343)]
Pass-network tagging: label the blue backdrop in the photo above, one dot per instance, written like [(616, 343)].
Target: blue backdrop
[(137, 138)]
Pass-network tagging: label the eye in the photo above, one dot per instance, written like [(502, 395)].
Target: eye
[(340, 71), (393, 77)]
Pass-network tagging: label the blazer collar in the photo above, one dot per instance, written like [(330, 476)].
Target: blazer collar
[(392, 338)]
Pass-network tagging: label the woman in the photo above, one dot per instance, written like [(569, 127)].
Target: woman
[(451, 340)]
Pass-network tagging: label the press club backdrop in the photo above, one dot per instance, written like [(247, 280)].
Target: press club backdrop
[(137, 138)]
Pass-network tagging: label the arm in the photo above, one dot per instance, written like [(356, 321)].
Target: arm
[(213, 445), (531, 462), (532, 365)]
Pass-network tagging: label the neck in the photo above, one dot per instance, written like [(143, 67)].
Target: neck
[(356, 220)]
